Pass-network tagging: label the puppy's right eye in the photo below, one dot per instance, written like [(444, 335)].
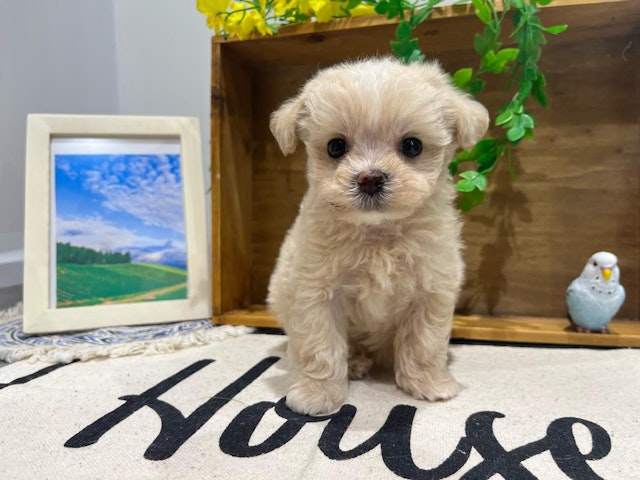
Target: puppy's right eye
[(336, 147)]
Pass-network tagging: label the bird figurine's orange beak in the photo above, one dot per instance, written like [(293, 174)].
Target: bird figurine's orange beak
[(606, 273)]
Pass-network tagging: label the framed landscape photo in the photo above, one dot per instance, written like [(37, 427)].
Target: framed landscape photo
[(115, 222)]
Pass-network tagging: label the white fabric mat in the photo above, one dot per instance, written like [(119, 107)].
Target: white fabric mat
[(212, 412)]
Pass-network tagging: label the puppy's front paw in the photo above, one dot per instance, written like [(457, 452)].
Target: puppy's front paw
[(432, 386), (316, 397)]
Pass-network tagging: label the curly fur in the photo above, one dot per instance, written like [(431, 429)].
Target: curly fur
[(372, 278)]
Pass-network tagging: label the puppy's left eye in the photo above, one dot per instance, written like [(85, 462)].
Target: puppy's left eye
[(411, 147)]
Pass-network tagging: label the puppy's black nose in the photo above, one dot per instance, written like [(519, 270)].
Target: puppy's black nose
[(371, 182)]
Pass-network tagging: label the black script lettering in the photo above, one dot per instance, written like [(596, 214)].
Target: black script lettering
[(559, 441), (40, 373), (394, 439), (565, 452), (175, 428), (236, 437)]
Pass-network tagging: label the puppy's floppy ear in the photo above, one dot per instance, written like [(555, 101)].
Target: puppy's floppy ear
[(284, 124), (470, 118)]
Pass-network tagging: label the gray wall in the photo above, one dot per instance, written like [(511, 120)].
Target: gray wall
[(131, 57)]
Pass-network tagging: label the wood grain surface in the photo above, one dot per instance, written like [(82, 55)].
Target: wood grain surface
[(577, 185)]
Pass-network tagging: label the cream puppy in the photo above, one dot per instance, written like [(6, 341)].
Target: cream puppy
[(371, 268)]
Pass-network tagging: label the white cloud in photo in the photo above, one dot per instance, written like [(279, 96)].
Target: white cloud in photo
[(148, 187), (65, 167)]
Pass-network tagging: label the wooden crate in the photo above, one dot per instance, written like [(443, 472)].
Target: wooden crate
[(577, 189)]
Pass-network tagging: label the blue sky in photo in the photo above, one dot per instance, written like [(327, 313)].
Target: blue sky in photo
[(123, 202)]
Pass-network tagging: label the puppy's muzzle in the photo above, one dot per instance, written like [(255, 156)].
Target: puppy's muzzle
[(372, 183)]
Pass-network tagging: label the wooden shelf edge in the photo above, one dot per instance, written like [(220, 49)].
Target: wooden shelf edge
[(348, 23), (557, 331), (536, 330)]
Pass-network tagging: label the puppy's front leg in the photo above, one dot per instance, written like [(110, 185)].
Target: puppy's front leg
[(420, 350), (318, 351)]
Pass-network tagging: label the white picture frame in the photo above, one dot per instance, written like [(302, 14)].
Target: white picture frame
[(115, 222)]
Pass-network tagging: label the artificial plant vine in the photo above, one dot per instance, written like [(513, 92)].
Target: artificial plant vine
[(522, 63), (242, 17)]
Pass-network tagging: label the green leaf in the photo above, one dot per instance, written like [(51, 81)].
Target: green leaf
[(475, 86), (480, 44), (485, 154), (530, 73), (556, 30), (471, 180), (462, 77), (516, 133), (404, 49), (415, 56), (486, 42), (392, 8), (468, 200), (507, 55), (483, 11), (537, 90), (382, 7), (544, 2), (497, 62), (503, 118), (420, 16), (488, 160), (453, 167), (527, 121), (403, 31), (524, 91)]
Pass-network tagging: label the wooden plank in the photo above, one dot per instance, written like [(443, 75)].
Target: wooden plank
[(536, 330), (216, 198), (577, 189), (543, 330), (578, 181), (231, 175), (343, 24)]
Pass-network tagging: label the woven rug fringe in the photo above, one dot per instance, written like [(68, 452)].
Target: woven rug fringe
[(199, 335), (65, 354), (11, 313)]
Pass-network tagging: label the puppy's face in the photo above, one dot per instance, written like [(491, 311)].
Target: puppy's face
[(379, 135)]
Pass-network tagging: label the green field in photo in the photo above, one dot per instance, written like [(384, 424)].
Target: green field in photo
[(81, 285)]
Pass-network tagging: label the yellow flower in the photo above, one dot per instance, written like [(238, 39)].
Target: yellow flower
[(241, 17), (259, 23), (241, 22), (323, 9), (303, 5), (362, 10), (281, 6), (215, 22), (211, 7)]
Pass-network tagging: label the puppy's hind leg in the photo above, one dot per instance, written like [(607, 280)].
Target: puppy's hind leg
[(359, 362), (420, 350)]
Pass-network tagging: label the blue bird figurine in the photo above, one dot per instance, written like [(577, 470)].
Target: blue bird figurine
[(596, 295)]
